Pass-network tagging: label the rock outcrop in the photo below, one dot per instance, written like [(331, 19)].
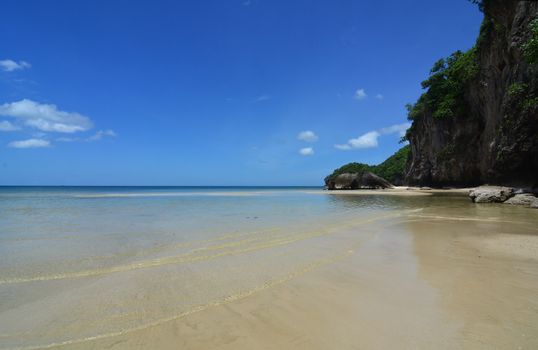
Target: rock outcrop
[(521, 199), (491, 133), (353, 181), (491, 194), (505, 195), (371, 180)]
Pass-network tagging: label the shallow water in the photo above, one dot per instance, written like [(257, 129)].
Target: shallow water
[(80, 264)]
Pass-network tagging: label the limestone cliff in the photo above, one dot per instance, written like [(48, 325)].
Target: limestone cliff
[(477, 122)]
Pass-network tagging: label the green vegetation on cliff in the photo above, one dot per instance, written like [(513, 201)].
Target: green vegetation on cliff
[(530, 48), (476, 120), (392, 169), (446, 86)]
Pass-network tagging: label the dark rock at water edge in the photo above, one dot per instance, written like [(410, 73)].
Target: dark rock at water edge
[(353, 181), (505, 195), (491, 194), (521, 199)]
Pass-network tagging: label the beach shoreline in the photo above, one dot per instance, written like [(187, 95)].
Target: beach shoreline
[(395, 191), (415, 269)]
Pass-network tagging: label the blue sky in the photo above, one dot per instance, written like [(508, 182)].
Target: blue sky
[(224, 92)]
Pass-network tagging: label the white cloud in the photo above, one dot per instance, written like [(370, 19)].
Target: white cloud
[(100, 134), (307, 136), (307, 151), (360, 94), (45, 117), (67, 139), (95, 137), (10, 65), (370, 139), (7, 126), (30, 143), (379, 96), (343, 147), (397, 128), (262, 98)]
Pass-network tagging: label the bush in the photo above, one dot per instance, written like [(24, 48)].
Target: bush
[(523, 98), (517, 89), (530, 103), (530, 48)]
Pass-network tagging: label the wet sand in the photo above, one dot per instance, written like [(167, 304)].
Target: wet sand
[(421, 281), (426, 271)]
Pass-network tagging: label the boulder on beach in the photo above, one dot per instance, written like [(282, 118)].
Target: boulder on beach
[(522, 199), (491, 194), (371, 180), (353, 181)]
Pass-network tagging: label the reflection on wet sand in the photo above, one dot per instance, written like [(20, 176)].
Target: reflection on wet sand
[(487, 275)]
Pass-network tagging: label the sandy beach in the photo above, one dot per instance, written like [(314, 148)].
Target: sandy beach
[(427, 270), (435, 283)]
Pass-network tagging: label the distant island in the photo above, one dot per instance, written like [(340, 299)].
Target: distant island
[(477, 121)]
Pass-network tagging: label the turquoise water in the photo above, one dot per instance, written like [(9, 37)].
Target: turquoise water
[(65, 228), (84, 263), (44, 226)]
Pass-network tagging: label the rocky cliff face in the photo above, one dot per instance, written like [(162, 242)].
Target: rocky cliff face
[(491, 133)]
